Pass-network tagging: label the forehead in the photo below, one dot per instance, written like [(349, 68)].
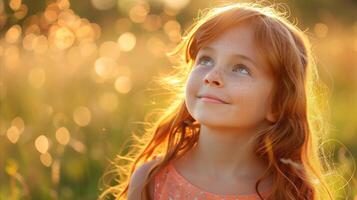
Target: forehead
[(235, 40)]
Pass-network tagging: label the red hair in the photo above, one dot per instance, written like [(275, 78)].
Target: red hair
[(289, 146)]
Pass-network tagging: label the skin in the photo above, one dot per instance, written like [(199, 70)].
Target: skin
[(223, 161)]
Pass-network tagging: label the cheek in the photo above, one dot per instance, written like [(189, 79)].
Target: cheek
[(191, 90), (193, 84), (250, 99)]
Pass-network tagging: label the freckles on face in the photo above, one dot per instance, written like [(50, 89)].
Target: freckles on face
[(235, 79), (247, 102), (250, 100)]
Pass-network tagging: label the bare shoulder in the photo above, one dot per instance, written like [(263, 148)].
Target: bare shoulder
[(138, 178)]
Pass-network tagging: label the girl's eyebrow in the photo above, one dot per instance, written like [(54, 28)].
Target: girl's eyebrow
[(234, 55)]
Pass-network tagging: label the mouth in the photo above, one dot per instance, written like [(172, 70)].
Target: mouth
[(210, 99)]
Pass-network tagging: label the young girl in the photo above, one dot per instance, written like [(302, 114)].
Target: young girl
[(242, 126)]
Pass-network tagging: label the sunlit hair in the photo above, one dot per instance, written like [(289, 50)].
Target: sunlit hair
[(290, 146)]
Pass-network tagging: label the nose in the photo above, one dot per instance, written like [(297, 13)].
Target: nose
[(213, 78)]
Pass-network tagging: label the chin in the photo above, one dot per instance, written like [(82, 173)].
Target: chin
[(210, 120)]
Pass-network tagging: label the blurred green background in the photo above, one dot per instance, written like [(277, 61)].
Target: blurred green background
[(76, 82)]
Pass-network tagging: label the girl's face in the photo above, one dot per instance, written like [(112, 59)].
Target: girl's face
[(229, 68)]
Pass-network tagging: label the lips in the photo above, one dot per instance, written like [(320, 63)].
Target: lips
[(211, 98)]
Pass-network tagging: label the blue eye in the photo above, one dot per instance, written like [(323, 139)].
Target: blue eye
[(241, 68), (205, 60)]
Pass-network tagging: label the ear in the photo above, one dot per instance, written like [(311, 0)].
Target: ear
[(271, 117)]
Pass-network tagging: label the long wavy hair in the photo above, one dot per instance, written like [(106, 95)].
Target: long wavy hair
[(290, 146)]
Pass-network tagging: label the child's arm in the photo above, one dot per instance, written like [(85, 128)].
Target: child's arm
[(137, 181)]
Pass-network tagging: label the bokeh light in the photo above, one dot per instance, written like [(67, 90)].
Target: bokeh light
[(13, 34), (13, 134), (103, 4), (172, 29), (19, 123), (82, 116), (63, 38), (55, 171), (42, 144), (21, 12), (63, 136), (46, 159), (123, 84), (78, 146), (63, 4), (127, 41), (139, 12), (105, 66), (15, 4), (176, 5)]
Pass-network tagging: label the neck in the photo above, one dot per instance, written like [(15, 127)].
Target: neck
[(226, 153)]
